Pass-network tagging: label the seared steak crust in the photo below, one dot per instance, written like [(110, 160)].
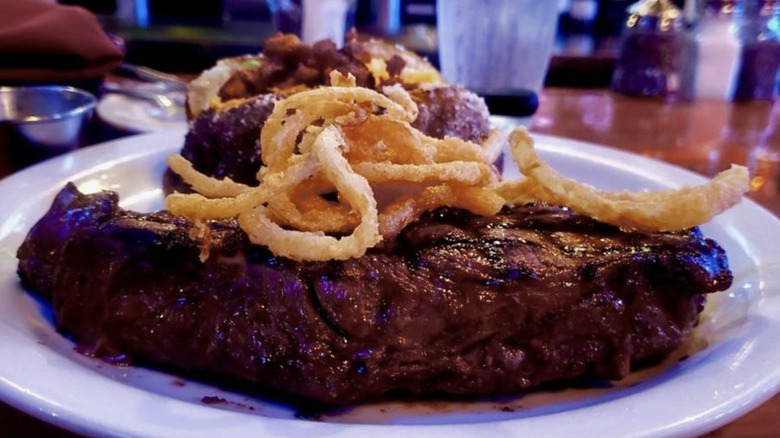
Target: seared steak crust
[(451, 111), (458, 304), (226, 144)]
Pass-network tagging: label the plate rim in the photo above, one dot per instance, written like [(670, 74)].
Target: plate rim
[(106, 111), (123, 150)]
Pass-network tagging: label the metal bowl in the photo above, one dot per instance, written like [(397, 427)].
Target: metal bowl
[(50, 118)]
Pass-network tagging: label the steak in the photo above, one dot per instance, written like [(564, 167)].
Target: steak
[(458, 304), (226, 143)]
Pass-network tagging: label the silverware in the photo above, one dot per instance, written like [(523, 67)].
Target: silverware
[(146, 74), (168, 104)]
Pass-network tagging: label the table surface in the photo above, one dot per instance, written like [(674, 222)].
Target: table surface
[(704, 136)]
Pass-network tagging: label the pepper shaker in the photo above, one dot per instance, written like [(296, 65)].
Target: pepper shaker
[(651, 51), (758, 32)]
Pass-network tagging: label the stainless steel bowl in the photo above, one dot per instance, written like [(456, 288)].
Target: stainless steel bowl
[(44, 118)]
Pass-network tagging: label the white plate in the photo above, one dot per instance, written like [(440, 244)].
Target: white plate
[(733, 367), (137, 115)]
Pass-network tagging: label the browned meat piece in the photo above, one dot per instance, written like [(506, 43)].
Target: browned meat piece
[(287, 62), (395, 66), (225, 143), (460, 304), (451, 111)]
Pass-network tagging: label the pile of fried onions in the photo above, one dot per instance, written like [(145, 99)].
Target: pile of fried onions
[(344, 169)]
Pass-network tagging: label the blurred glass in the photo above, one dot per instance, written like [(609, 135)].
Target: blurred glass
[(492, 46), (314, 20)]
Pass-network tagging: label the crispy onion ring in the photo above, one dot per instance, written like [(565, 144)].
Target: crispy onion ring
[(460, 172), (659, 210), (479, 200), (291, 115), (300, 245), (205, 185), (346, 161)]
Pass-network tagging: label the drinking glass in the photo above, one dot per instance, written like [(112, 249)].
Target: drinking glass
[(491, 46), (313, 20)]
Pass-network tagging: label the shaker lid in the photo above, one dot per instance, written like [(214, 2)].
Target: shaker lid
[(658, 15), (723, 7)]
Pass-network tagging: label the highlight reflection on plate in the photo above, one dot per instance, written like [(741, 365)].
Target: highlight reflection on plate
[(728, 367), (139, 115)]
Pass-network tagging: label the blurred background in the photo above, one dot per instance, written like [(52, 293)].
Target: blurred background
[(199, 33)]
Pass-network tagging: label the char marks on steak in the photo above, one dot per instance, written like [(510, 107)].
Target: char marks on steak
[(459, 304)]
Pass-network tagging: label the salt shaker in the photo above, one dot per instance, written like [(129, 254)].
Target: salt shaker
[(717, 49), (314, 20), (757, 30), (651, 52)]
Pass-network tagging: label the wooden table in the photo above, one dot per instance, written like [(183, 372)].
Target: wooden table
[(703, 136)]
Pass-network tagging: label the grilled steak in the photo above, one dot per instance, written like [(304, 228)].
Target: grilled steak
[(458, 304)]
